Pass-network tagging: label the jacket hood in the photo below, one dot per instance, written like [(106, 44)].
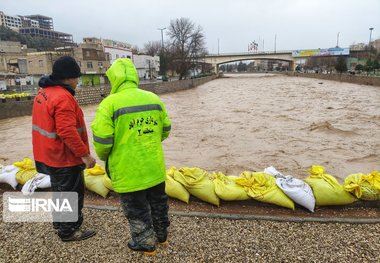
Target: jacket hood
[(47, 81), (122, 75)]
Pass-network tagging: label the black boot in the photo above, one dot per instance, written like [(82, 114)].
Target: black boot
[(147, 250)]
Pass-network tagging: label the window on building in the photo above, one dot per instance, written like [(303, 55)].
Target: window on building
[(40, 63), (117, 55), (89, 65), (100, 64)]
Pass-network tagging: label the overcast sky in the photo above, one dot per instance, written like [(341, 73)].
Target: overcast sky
[(297, 24)]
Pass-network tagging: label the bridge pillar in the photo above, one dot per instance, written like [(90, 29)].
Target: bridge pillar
[(216, 69), (292, 65)]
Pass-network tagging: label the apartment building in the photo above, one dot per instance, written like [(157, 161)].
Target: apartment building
[(92, 60), (116, 49), (12, 22), (35, 26)]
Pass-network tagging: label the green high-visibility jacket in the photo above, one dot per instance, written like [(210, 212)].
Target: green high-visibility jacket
[(128, 129)]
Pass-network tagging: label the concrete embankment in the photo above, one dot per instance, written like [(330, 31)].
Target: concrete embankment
[(356, 79)]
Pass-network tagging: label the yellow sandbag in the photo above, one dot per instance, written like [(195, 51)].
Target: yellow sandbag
[(96, 170), (22, 176), (365, 187), (198, 183), (27, 170), (107, 182), (95, 184), (26, 164), (326, 189), (262, 187), (175, 189), (227, 189)]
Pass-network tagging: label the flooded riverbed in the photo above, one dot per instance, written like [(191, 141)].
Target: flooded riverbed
[(250, 121)]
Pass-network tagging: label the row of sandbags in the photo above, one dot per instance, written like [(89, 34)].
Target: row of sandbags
[(270, 186), (25, 173)]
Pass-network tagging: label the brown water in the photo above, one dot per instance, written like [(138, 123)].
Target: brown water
[(249, 122)]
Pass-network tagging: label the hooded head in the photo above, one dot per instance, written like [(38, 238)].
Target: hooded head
[(65, 68), (122, 74)]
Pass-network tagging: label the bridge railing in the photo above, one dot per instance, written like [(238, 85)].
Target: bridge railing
[(249, 53)]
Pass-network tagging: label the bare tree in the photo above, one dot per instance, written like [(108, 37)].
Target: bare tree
[(152, 48), (186, 44)]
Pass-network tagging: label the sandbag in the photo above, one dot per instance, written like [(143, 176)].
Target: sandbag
[(365, 187), (296, 189), (198, 183), (326, 189), (96, 170), (227, 189), (8, 175), (22, 176), (95, 184), (107, 182), (38, 181), (25, 164), (174, 189), (262, 187), (26, 170)]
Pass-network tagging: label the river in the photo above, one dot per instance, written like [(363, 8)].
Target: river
[(247, 122)]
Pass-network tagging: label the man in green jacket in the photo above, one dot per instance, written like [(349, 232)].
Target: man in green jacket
[(128, 129)]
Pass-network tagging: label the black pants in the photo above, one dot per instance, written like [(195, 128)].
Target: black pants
[(66, 179), (147, 214)]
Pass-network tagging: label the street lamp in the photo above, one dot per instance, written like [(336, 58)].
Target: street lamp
[(162, 37), (162, 59), (369, 44), (337, 40)]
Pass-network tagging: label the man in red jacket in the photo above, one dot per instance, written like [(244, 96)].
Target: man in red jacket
[(60, 143)]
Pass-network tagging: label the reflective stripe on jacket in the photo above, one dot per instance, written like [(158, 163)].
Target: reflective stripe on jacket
[(59, 133), (128, 129)]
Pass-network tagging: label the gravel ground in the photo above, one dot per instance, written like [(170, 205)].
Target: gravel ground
[(196, 239)]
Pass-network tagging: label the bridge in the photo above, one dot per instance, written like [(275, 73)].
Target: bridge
[(216, 59)]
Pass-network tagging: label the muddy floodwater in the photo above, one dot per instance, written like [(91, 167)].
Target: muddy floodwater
[(248, 122)]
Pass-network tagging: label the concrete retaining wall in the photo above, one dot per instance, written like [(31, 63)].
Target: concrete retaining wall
[(356, 79), (94, 95)]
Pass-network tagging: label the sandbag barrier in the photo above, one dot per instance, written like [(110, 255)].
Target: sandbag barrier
[(269, 186)]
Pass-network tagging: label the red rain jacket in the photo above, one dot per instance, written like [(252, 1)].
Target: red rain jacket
[(59, 133)]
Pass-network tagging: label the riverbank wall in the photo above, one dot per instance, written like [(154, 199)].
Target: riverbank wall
[(10, 108), (356, 79)]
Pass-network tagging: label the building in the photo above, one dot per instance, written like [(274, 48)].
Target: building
[(35, 26), (41, 63), (147, 66), (44, 22), (92, 60), (44, 33), (12, 22), (116, 49), (11, 53)]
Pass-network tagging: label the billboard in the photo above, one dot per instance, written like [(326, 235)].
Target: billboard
[(335, 51)]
